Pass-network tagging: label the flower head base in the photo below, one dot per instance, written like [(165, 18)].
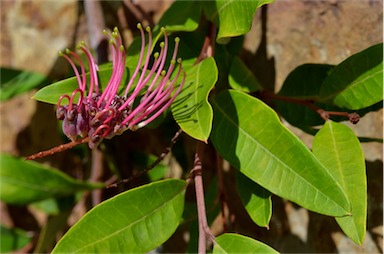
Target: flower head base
[(104, 114)]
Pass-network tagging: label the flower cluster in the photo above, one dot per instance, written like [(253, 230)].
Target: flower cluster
[(104, 114)]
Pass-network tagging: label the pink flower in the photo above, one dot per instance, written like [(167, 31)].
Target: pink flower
[(103, 114)]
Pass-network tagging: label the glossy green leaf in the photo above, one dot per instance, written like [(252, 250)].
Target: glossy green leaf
[(249, 134), (257, 200), (14, 82), (23, 182), (187, 18), (235, 243), (136, 221), (12, 239), (241, 78), (233, 18), (357, 82), (337, 147), (191, 108)]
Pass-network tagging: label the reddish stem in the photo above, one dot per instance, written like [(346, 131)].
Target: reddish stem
[(58, 149), (196, 172)]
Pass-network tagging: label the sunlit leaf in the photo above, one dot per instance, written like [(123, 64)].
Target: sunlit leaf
[(233, 18), (337, 147), (191, 108), (136, 221), (257, 200), (234, 243), (23, 182), (357, 82), (249, 134)]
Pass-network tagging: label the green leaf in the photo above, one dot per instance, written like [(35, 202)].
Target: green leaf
[(187, 18), (257, 200), (233, 18), (249, 134), (337, 147), (191, 108), (241, 78), (357, 82), (235, 243), (136, 221), (12, 239), (23, 182), (14, 82)]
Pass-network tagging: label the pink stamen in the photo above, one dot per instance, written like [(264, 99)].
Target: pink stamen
[(61, 98), (119, 75), (139, 63), (83, 76), (115, 62), (162, 59), (147, 58), (149, 105), (93, 68), (79, 102), (101, 127), (111, 114), (139, 85), (119, 57), (161, 110), (79, 81)]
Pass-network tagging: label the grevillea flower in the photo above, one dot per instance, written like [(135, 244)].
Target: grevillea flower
[(103, 114)]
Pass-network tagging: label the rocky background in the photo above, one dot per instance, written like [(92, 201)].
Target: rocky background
[(284, 35)]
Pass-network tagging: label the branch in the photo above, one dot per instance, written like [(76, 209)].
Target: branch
[(58, 149), (196, 173)]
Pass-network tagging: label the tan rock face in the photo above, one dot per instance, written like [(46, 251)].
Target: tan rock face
[(36, 30)]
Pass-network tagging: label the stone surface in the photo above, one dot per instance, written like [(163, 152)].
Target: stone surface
[(297, 32)]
